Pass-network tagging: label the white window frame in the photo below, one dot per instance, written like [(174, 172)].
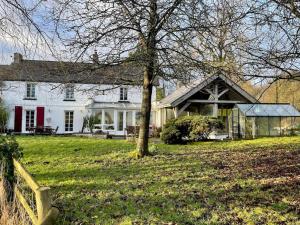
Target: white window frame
[(70, 92), (31, 119), (30, 90), (69, 124), (123, 94)]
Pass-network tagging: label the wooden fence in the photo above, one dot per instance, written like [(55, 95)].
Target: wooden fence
[(46, 214)]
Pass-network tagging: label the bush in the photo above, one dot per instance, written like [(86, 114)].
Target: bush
[(9, 149), (184, 125), (202, 126), (3, 118), (171, 135), (177, 131)]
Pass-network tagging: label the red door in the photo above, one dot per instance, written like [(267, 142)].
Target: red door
[(40, 116), (18, 118)]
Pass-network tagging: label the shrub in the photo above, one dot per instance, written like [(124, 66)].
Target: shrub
[(153, 149), (202, 126), (9, 149), (171, 135), (198, 127), (183, 124), (3, 118)]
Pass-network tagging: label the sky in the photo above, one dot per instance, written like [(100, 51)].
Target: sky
[(18, 35)]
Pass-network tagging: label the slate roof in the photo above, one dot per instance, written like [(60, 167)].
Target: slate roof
[(186, 91), (68, 72)]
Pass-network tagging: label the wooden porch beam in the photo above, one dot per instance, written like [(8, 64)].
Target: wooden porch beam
[(209, 91), (223, 92), (183, 108), (175, 110), (213, 101)]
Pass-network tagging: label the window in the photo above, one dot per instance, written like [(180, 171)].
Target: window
[(69, 94), (123, 94), (69, 117), (30, 90), (29, 119)]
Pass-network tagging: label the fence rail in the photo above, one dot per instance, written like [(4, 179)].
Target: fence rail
[(46, 214)]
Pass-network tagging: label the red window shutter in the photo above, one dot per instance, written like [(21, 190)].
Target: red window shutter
[(18, 118), (40, 116)]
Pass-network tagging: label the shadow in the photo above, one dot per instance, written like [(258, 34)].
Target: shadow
[(197, 187)]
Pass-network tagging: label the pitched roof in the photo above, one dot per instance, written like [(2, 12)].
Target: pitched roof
[(186, 91), (68, 72)]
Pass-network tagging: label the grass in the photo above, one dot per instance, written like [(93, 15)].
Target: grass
[(238, 182), (11, 212)]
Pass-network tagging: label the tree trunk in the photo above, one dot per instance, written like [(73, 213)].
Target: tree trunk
[(142, 145), (150, 52)]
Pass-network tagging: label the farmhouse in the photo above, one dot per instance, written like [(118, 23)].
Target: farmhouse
[(60, 94)]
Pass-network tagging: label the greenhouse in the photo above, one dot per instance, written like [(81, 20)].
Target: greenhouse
[(258, 120)]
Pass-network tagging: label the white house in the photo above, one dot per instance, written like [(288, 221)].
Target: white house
[(61, 94)]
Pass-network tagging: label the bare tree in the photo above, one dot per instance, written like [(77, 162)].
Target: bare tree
[(176, 38), (276, 50), (148, 34)]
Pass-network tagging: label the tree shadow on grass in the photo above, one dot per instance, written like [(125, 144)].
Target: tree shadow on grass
[(185, 189)]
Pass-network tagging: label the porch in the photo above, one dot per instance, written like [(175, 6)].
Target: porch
[(113, 117), (215, 96)]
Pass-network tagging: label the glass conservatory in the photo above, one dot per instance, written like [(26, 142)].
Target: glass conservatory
[(258, 120)]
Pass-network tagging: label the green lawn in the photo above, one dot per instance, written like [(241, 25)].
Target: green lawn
[(238, 182)]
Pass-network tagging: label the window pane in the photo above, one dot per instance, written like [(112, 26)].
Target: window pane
[(109, 120), (262, 126), (129, 121), (32, 90), (98, 114), (121, 93), (120, 121), (274, 126), (137, 118)]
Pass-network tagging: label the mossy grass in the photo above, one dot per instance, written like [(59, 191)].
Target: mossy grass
[(235, 182)]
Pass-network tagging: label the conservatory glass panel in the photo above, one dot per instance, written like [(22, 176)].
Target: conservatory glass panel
[(138, 118), (120, 120), (262, 126), (286, 125), (274, 123), (206, 110), (249, 127), (129, 121), (108, 119), (98, 114)]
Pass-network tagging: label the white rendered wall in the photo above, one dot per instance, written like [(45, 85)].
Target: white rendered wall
[(51, 96)]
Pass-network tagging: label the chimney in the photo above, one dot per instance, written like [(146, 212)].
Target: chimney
[(18, 58), (95, 57)]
